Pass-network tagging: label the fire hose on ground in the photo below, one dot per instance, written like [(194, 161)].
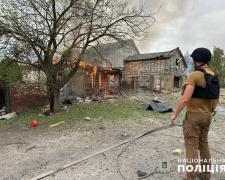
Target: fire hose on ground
[(46, 174)]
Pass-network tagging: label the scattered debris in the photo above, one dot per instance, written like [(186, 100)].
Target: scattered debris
[(67, 102), (144, 106), (56, 124), (45, 109), (8, 116), (34, 123), (2, 112), (157, 99), (87, 100), (141, 174), (102, 128), (14, 143), (24, 128), (46, 113), (87, 118), (111, 100), (65, 107), (125, 135), (30, 148), (79, 100), (155, 107), (177, 152)]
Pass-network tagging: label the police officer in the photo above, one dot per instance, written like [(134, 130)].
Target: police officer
[(198, 116)]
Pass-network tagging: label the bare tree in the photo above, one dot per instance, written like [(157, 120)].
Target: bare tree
[(36, 32)]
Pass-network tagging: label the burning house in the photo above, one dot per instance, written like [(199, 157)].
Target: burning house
[(92, 81), (102, 71), (89, 81), (162, 70)]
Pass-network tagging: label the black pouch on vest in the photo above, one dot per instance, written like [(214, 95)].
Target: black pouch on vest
[(212, 89)]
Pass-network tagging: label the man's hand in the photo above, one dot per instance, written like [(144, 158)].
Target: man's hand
[(183, 101), (172, 118)]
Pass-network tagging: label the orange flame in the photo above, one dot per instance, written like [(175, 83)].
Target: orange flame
[(83, 64), (54, 62), (100, 81), (95, 70)]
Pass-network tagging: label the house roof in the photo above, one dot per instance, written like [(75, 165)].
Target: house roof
[(159, 55), (116, 45), (148, 56), (155, 56), (109, 47)]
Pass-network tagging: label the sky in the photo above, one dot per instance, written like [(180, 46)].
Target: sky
[(186, 24)]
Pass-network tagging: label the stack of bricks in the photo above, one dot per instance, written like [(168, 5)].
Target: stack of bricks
[(26, 97)]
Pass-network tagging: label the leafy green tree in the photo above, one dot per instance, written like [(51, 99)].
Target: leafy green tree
[(10, 71), (36, 32), (217, 63)]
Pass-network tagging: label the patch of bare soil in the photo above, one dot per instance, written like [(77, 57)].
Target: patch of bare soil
[(28, 154)]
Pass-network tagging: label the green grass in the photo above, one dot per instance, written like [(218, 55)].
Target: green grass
[(121, 110)]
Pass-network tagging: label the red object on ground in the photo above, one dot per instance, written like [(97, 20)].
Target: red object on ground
[(34, 123), (57, 113)]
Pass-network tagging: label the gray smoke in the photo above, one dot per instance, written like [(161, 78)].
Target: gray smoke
[(169, 12), (189, 62)]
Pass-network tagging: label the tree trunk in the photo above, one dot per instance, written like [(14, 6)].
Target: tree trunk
[(54, 101), (53, 94), (51, 101), (56, 105)]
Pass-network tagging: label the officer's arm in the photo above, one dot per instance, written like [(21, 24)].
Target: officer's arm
[(214, 104), (184, 100)]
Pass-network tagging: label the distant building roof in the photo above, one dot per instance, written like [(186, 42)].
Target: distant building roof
[(158, 55), (109, 47), (116, 45)]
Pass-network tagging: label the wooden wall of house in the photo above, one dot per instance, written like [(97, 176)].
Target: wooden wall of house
[(142, 71), (176, 69), (168, 80), (164, 72)]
